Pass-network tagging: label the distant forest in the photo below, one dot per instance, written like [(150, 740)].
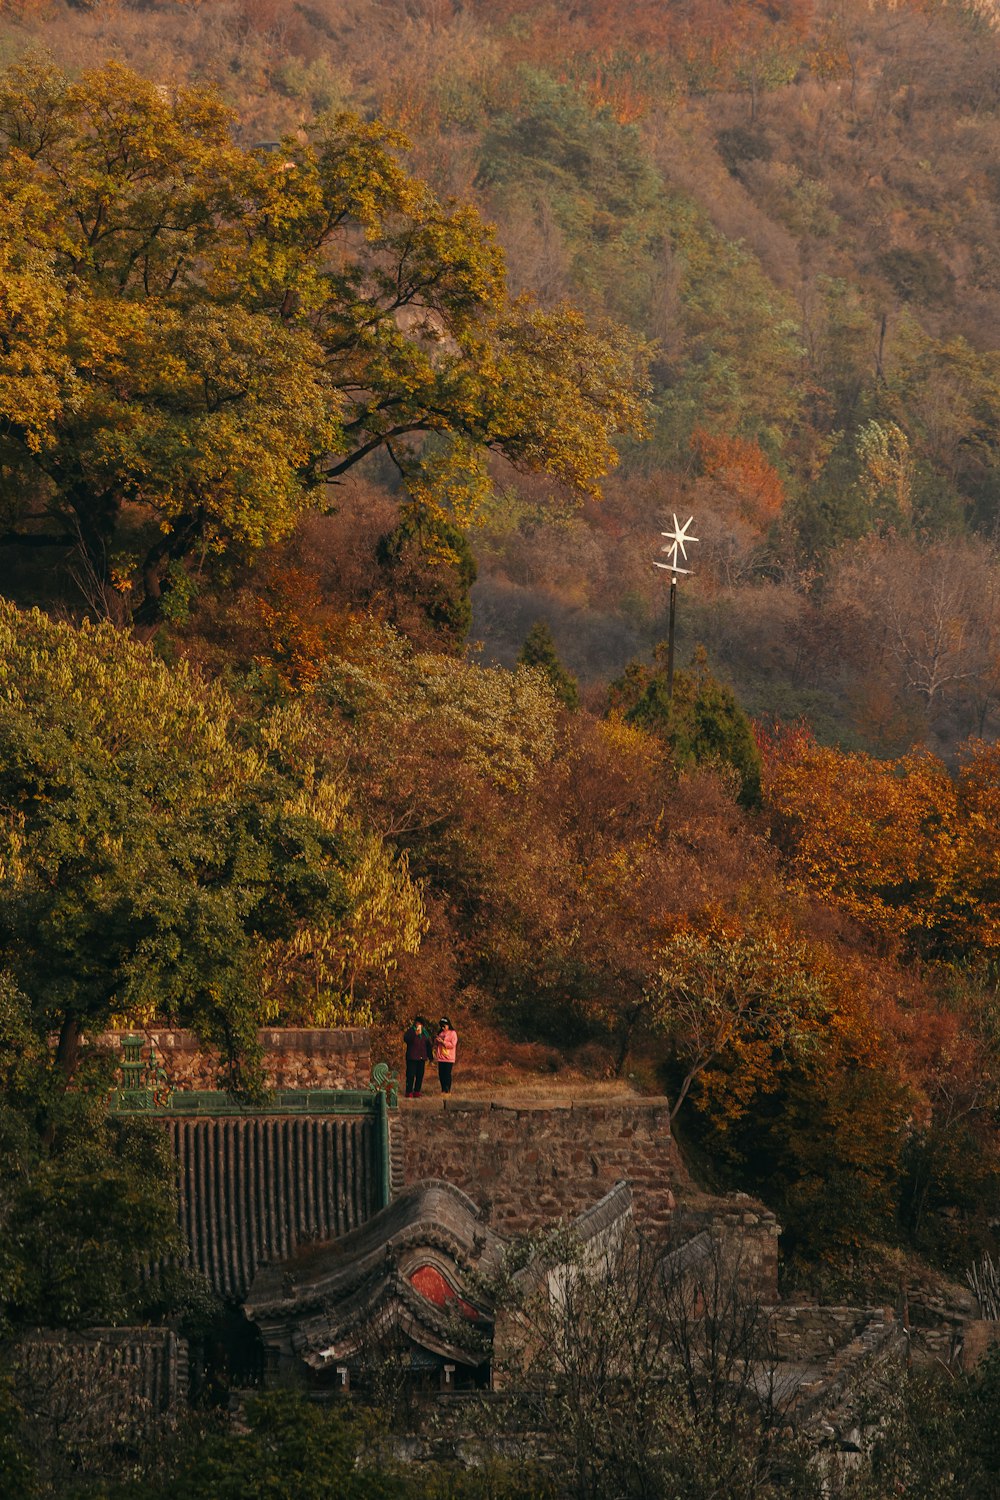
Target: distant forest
[(797, 204), (354, 357)]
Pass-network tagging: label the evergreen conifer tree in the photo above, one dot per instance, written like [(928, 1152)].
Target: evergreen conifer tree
[(701, 723), (539, 650)]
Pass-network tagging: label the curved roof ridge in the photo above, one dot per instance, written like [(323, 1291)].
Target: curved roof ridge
[(434, 1212)]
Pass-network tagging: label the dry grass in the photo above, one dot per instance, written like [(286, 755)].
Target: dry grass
[(492, 1067), (525, 1090)]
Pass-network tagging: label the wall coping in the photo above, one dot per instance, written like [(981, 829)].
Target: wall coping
[(212, 1103), (303, 1039), (645, 1105)]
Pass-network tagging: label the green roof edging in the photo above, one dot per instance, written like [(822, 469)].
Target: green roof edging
[(206, 1103)]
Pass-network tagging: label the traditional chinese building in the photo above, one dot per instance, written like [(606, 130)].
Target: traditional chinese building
[(407, 1285)]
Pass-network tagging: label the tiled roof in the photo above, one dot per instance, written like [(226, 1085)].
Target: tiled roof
[(253, 1189), (103, 1385), (606, 1213), (325, 1296)]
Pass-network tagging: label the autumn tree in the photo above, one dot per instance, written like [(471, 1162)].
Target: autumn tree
[(939, 1438), (198, 338), (876, 837), (429, 568), (930, 614), (798, 1085), (826, 1145), (951, 1165), (324, 972), (539, 650), (905, 846), (750, 483), (556, 850), (154, 849), (749, 997), (701, 721)]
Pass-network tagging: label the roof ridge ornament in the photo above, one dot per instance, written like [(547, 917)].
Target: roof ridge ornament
[(385, 1080), (144, 1082)]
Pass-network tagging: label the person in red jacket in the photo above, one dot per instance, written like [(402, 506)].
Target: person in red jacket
[(418, 1053), (445, 1044)]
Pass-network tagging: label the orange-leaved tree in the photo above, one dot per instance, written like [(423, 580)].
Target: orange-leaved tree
[(796, 1078), (740, 468), (734, 1001), (826, 1145), (877, 838), (976, 898)]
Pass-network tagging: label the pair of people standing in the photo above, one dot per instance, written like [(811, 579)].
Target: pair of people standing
[(422, 1048)]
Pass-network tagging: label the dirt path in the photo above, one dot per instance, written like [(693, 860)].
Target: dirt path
[(516, 1090)]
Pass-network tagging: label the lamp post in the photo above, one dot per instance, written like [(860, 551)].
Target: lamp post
[(676, 544)]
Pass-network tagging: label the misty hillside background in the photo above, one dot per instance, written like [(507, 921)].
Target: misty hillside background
[(792, 209), (798, 203)]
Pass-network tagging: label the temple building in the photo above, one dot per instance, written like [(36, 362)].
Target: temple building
[(408, 1284), (412, 1285)]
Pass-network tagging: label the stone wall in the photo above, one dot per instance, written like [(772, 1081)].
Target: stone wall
[(294, 1057), (809, 1332), (981, 1336), (749, 1230), (529, 1166), (937, 1313), (825, 1400)]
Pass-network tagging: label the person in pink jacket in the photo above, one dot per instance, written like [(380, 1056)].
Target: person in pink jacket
[(445, 1045)]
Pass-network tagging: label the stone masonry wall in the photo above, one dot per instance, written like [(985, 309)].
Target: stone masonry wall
[(745, 1225), (530, 1166), (810, 1332), (980, 1337), (294, 1057), (937, 1313)]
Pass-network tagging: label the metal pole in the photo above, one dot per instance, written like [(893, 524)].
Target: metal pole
[(670, 637), (678, 540)]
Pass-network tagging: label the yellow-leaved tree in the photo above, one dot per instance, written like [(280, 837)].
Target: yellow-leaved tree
[(196, 338), (877, 837), (162, 856)]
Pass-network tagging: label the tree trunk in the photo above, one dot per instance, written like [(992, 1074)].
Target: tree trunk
[(68, 1050), (96, 517), (172, 546)]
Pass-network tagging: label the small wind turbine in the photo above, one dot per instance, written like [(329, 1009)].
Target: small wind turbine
[(676, 543)]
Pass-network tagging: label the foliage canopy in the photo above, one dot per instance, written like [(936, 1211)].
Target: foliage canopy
[(196, 337), (153, 858)]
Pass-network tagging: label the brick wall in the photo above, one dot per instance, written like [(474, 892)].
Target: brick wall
[(294, 1057), (528, 1166)]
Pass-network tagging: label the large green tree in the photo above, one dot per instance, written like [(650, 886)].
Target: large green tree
[(539, 650), (195, 338), (701, 721), (151, 857), (86, 1197)]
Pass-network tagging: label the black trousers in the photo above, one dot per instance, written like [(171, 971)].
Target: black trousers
[(414, 1076), (444, 1074)]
